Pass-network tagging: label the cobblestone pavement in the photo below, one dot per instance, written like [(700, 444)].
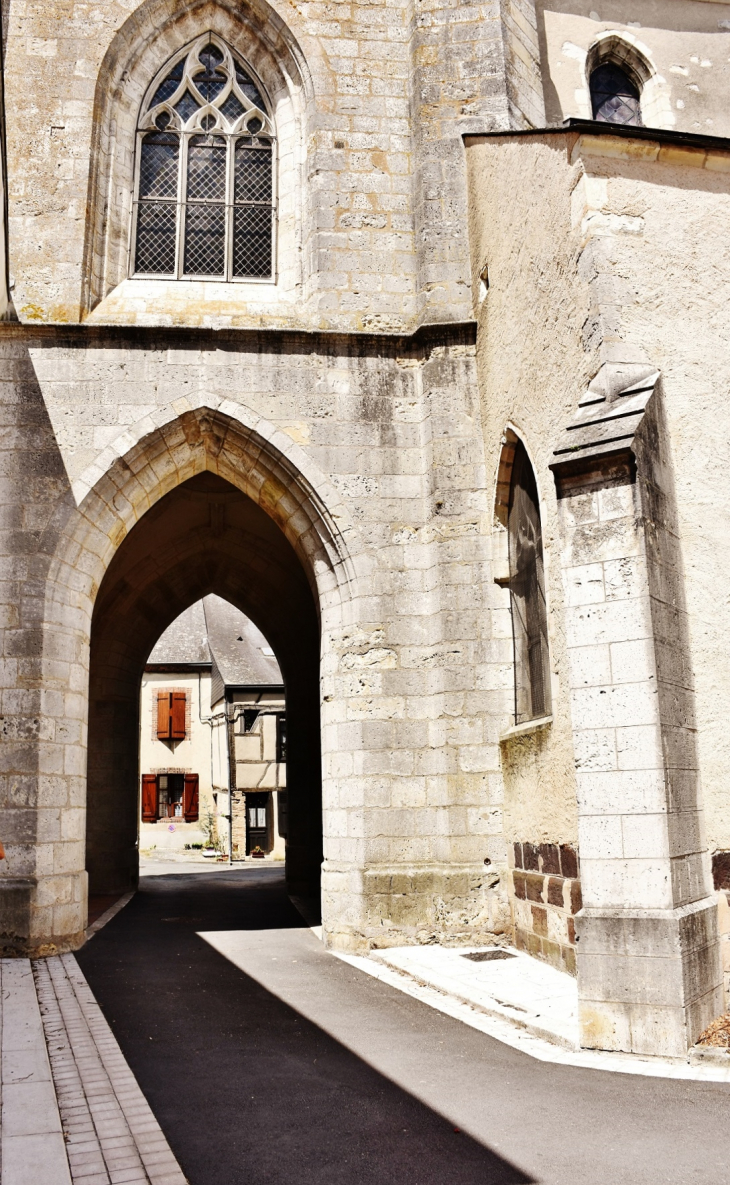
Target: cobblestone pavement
[(266, 1060)]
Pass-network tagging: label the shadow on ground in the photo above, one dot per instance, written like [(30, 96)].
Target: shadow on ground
[(245, 1088)]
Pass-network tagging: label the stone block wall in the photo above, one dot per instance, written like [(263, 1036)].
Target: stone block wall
[(547, 896), (721, 882)]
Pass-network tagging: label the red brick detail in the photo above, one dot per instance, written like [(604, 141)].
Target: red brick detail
[(518, 854), (530, 857), (534, 946), (568, 956), (576, 897), (539, 920), (568, 861), (519, 879), (550, 858), (571, 931), (721, 870), (555, 892), (534, 886)]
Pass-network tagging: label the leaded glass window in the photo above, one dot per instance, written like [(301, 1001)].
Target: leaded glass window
[(527, 593), (205, 190), (614, 97)]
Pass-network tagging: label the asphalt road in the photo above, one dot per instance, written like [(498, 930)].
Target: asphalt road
[(267, 1060)]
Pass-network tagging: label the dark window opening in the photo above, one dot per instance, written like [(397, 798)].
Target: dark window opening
[(527, 593), (170, 796), (250, 716), (281, 738), (614, 97)]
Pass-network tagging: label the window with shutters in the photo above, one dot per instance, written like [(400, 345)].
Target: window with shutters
[(172, 710), (204, 205), (527, 592), (170, 796)]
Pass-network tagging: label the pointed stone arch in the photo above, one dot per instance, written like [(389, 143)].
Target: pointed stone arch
[(125, 489)]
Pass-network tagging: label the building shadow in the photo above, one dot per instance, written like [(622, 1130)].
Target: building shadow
[(245, 1087)]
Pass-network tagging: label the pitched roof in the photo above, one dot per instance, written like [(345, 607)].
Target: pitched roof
[(214, 631), (239, 649), (185, 641)]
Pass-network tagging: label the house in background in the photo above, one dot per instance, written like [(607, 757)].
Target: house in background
[(212, 689)]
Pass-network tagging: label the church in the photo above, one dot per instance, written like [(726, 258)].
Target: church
[(400, 327)]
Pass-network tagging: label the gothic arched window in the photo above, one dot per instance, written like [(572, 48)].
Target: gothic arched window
[(205, 193), (527, 592), (614, 97)]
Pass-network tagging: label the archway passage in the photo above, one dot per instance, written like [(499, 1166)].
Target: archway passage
[(203, 537)]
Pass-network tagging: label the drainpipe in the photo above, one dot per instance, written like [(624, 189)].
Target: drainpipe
[(230, 721)]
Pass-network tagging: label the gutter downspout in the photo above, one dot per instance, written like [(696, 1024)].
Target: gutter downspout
[(230, 719)]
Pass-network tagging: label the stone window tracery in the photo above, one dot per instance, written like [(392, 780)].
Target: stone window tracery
[(204, 204)]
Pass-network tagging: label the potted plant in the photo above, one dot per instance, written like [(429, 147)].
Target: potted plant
[(210, 847), (258, 852)]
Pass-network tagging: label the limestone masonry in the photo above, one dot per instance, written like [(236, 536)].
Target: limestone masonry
[(402, 326)]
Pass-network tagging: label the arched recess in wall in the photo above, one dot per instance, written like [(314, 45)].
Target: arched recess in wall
[(623, 85), (519, 567), (150, 38), (201, 504)]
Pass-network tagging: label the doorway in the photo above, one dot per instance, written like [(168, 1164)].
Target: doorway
[(204, 537)]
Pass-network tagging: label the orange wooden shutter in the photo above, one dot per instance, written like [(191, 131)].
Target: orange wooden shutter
[(177, 730), (149, 798), (163, 715), (190, 798)]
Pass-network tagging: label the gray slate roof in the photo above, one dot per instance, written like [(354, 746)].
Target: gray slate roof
[(213, 630)]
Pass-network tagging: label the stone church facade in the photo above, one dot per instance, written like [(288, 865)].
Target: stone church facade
[(403, 329)]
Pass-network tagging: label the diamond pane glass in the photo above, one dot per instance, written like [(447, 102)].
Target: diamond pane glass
[(252, 241), (187, 106), (253, 174), (614, 97), (207, 168), (232, 108), (249, 88), (155, 248), (205, 240), (158, 165), (169, 85), (211, 80)]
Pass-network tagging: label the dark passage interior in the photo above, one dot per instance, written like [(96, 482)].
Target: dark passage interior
[(203, 537)]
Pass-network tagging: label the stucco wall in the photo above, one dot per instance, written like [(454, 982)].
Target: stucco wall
[(609, 253), (191, 755), (686, 44), (531, 363)]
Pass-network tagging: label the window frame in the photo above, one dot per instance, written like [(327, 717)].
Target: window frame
[(632, 78), (524, 685), (180, 200)]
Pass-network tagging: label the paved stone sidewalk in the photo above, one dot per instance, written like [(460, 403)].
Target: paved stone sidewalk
[(77, 1116), (522, 1002)]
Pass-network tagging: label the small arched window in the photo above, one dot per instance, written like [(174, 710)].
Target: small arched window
[(614, 97), (527, 592), (205, 196)]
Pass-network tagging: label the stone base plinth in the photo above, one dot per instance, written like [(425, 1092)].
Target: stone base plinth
[(649, 981), (42, 916), (376, 907)]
